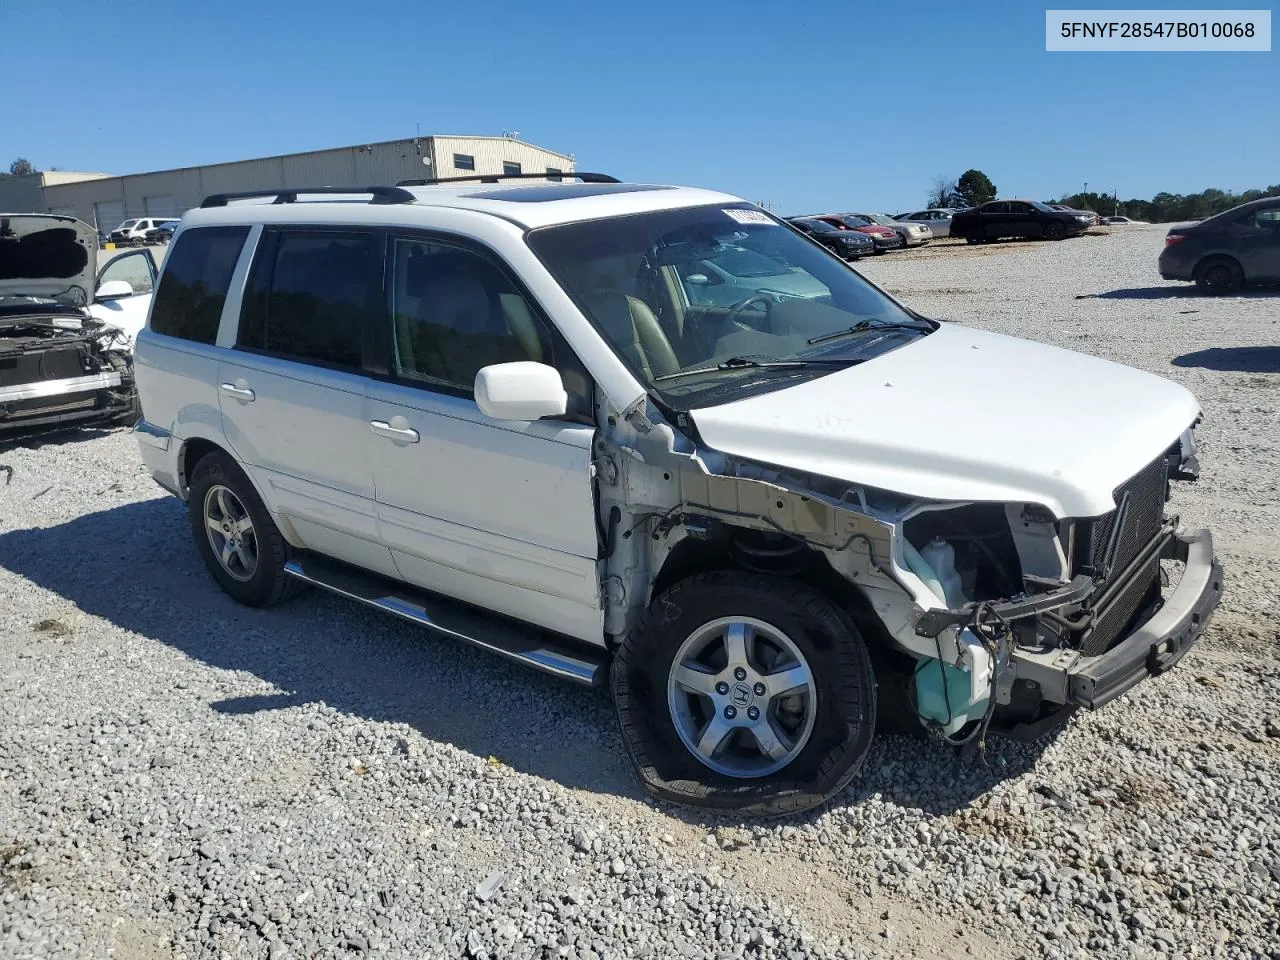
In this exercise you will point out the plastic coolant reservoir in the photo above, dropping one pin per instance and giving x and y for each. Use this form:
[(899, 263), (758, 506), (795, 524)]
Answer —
[(953, 696)]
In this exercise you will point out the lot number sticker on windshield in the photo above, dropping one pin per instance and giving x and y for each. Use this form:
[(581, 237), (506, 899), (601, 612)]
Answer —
[(749, 216)]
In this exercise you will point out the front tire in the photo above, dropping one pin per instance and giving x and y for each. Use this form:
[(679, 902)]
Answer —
[(744, 692), (1054, 230), (235, 535)]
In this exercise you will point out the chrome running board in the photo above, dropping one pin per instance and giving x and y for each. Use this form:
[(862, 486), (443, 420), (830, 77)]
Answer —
[(526, 645)]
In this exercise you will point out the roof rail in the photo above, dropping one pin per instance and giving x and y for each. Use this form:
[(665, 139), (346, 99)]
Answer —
[(377, 195), (495, 177)]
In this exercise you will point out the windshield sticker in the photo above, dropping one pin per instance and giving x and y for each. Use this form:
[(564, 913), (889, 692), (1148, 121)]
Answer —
[(749, 216)]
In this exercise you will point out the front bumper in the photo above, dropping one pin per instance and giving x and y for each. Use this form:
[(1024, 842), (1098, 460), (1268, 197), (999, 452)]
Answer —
[(887, 243), (915, 240), (850, 250), (48, 403), (1063, 676), (1156, 645)]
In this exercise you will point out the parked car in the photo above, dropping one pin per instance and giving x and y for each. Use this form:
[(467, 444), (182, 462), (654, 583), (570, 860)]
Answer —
[(63, 361), (884, 238), (937, 219), (848, 244), (1094, 218), (1225, 252), (134, 232), (1119, 221), (913, 234), (532, 435), (997, 219), (163, 233)]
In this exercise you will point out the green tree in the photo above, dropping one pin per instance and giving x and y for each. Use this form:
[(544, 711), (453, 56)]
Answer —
[(21, 167), (975, 187)]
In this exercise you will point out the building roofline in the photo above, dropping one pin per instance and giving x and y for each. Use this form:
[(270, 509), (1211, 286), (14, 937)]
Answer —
[(303, 153)]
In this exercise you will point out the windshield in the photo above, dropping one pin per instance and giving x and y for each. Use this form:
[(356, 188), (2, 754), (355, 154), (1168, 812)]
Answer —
[(819, 226), (128, 225), (679, 293), (879, 218)]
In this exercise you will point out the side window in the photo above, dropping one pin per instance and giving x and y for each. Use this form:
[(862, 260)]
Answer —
[(1016, 206), (509, 168), (133, 268), (554, 174), (193, 286), (464, 161), (998, 206), (1268, 219), (313, 295), (454, 312)]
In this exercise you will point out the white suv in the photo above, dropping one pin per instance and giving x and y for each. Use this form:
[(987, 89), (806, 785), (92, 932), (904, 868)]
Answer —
[(513, 413)]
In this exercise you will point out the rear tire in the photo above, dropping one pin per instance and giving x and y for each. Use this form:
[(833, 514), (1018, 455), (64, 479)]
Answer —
[(792, 727), (250, 551), (1219, 275)]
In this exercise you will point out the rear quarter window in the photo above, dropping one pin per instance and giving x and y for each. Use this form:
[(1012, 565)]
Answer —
[(193, 286)]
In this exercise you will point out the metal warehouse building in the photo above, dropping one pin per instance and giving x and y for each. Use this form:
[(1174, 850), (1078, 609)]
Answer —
[(104, 200)]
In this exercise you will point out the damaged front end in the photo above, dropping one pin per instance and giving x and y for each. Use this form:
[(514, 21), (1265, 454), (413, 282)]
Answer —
[(997, 616), (62, 368)]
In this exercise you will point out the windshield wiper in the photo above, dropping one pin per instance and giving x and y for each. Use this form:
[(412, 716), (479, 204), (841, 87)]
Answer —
[(862, 326), (744, 363)]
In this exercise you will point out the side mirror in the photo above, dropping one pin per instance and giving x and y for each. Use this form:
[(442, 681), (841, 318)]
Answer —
[(113, 290), (520, 390), (697, 279)]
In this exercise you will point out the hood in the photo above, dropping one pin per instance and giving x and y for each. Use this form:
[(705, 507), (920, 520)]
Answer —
[(963, 415), (43, 255)]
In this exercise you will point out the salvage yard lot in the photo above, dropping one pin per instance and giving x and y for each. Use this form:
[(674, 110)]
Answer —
[(180, 776)]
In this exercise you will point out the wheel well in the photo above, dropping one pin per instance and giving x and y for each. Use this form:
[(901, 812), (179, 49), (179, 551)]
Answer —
[(1215, 258), (193, 451), (737, 548)]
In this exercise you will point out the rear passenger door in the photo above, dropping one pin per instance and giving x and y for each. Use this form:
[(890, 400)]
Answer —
[(497, 513), (292, 391)]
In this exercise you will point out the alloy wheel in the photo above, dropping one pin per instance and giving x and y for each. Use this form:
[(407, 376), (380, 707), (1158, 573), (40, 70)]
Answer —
[(231, 533), (742, 697)]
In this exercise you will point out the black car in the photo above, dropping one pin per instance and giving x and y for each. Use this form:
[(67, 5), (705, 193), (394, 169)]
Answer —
[(997, 219), (1226, 251), (162, 233), (846, 244)]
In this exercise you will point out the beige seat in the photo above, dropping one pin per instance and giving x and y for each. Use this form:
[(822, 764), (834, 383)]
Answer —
[(632, 327)]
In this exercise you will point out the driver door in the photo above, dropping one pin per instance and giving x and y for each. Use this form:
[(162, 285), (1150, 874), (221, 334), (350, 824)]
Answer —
[(127, 313), (499, 514)]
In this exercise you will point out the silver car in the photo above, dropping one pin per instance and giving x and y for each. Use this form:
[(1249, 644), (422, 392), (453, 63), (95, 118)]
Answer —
[(913, 234), (937, 219)]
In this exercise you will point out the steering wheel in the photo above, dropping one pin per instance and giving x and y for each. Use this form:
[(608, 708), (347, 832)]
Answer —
[(765, 298)]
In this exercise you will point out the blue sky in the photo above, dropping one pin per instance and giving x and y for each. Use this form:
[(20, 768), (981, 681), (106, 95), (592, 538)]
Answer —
[(807, 105)]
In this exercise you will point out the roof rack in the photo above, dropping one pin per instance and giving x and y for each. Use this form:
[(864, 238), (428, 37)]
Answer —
[(495, 177), (377, 195)]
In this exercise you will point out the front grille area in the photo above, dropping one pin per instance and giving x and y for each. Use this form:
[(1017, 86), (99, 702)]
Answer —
[(1112, 622), (1105, 551), (1142, 500)]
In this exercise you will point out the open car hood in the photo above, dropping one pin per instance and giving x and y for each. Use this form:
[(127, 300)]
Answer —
[(43, 255), (964, 415)]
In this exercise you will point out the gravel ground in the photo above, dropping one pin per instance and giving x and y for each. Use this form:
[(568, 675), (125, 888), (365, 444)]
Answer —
[(182, 777)]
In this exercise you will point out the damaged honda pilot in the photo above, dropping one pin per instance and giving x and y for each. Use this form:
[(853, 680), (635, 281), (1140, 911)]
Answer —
[(655, 437)]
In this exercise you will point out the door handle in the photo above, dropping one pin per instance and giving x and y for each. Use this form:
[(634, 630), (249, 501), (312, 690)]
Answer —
[(240, 393), (403, 434)]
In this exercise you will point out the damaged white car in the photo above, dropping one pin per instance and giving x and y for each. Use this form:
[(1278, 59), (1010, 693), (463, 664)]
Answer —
[(66, 340), (515, 413)]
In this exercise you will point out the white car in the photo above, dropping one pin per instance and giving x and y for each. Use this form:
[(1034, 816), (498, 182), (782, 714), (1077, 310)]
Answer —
[(66, 333), (1120, 221), (510, 413), (133, 232), (937, 219)]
